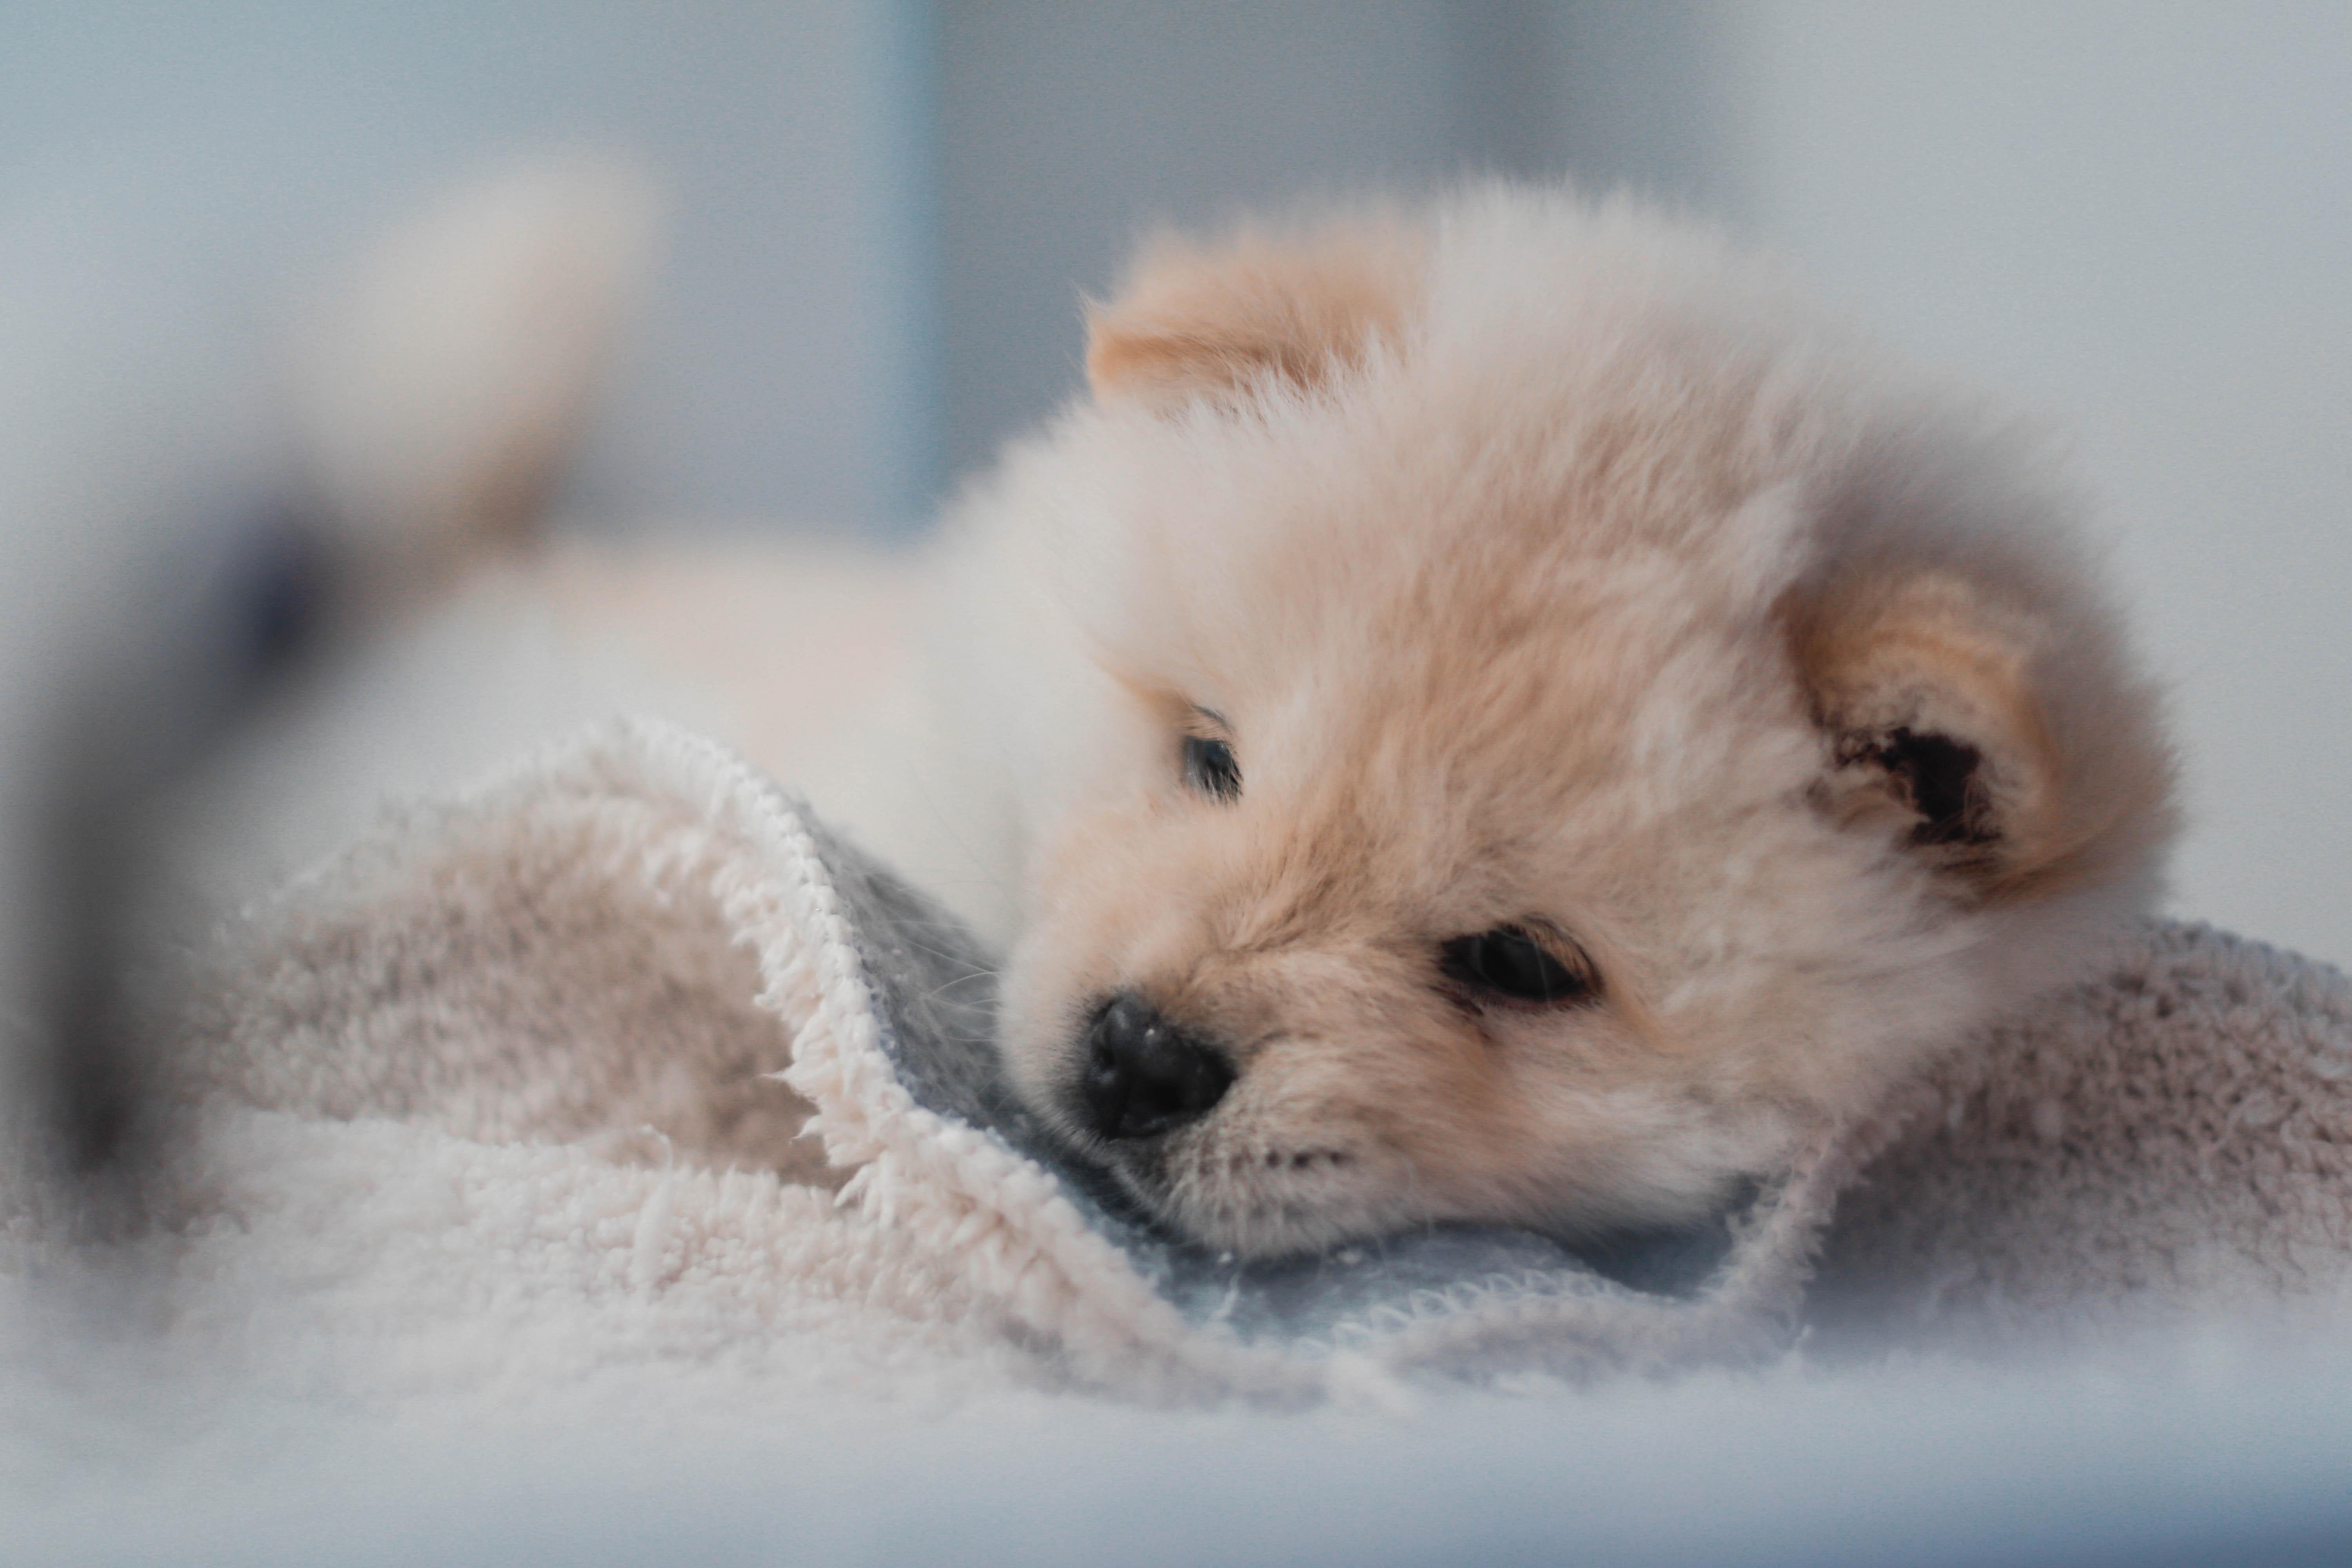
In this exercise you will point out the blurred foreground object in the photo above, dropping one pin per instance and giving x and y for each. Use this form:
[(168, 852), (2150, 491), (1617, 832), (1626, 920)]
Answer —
[(184, 528), (444, 392)]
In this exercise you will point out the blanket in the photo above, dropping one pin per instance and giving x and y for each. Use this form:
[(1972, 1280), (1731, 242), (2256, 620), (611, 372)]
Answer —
[(602, 1164), (629, 1038)]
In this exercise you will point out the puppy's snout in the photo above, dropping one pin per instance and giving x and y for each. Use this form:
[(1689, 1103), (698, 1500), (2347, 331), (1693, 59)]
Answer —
[(1145, 1076)]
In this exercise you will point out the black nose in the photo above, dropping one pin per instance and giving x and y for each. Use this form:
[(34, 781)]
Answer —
[(1145, 1076)]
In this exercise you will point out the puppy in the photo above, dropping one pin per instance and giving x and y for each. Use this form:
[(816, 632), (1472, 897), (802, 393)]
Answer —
[(1507, 713)]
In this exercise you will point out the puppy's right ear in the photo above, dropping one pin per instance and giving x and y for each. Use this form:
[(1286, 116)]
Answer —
[(1195, 321)]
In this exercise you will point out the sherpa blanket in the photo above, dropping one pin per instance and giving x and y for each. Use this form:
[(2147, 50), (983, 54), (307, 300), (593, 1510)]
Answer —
[(494, 1232), (625, 1055)]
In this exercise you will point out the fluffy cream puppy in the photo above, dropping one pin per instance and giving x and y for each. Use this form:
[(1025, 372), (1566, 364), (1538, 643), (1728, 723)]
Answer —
[(1507, 713)]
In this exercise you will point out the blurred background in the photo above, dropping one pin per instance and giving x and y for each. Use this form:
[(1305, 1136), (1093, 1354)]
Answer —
[(882, 214)]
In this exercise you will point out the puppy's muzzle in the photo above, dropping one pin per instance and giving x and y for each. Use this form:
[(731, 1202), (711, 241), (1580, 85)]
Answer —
[(1143, 1075)]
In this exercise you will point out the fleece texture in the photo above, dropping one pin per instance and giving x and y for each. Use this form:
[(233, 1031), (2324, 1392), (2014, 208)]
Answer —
[(625, 1055), (644, 954), (490, 1233), (2176, 1135)]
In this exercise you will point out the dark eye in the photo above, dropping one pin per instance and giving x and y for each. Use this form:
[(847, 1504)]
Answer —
[(1209, 767), (1507, 962)]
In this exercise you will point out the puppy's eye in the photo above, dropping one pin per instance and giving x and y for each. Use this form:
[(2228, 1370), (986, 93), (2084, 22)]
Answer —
[(1507, 962), (1210, 768)]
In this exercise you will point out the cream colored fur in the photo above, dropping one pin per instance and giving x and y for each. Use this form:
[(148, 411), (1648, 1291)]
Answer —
[(1548, 565), (1551, 565)]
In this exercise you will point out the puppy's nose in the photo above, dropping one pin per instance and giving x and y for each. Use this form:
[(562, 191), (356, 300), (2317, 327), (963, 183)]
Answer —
[(1144, 1075)]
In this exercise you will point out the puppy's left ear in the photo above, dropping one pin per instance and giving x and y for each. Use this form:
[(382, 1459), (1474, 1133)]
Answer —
[(2014, 763), (1216, 322)]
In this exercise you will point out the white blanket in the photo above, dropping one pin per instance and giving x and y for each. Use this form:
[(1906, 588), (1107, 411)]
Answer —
[(487, 1131)]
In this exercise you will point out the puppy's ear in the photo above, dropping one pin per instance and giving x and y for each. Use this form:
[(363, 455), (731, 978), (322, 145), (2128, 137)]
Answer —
[(2003, 756), (1195, 321)]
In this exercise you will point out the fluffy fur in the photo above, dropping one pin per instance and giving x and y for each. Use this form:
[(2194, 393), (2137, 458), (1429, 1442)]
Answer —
[(1550, 568)]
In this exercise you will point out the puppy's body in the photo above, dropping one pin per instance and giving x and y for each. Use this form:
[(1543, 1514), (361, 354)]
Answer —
[(1509, 716)]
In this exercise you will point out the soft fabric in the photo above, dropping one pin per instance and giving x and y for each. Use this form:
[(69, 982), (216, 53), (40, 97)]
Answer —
[(2176, 1137), (644, 952), (562, 1035), (488, 1237)]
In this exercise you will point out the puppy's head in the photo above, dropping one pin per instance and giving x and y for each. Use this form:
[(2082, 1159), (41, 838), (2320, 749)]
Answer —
[(1547, 733)]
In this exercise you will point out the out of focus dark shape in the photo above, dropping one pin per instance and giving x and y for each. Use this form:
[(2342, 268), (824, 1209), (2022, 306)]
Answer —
[(191, 527), (114, 753)]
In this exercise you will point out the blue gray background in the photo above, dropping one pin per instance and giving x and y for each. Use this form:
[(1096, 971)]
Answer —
[(883, 213)]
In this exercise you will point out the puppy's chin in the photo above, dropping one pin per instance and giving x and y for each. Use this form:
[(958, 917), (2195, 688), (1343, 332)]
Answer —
[(1252, 1203), (1260, 1199)]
